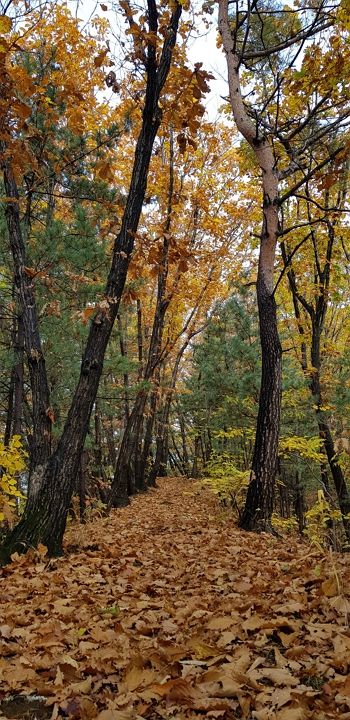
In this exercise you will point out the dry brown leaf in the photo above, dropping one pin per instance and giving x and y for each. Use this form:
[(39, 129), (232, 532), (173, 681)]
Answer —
[(138, 677), (113, 714), (220, 623), (296, 713), (201, 649), (161, 655), (279, 676), (177, 691), (330, 587)]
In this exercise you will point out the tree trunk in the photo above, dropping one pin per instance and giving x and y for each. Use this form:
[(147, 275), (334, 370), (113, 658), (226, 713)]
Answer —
[(124, 354), (45, 515), (185, 457), (260, 496), (133, 455), (15, 404), (146, 459), (40, 446), (139, 338), (299, 502), (98, 450), (197, 448)]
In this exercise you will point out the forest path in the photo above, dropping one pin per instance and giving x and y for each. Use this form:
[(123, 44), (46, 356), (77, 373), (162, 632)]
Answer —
[(165, 609)]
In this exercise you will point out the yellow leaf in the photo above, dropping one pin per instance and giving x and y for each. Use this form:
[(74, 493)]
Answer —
[(5, 24)]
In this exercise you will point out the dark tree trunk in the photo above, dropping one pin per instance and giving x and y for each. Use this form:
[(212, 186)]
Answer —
[(124, 354), (45, 515), (98, 452), (15, 403), (19, 379), (299, 502), (82, 487), (146, 460), (134, 455), (185, 456), (260, 496), (197, 448), (139, 338), (40, 445), (124, 481), (108, 430), (159, 467)]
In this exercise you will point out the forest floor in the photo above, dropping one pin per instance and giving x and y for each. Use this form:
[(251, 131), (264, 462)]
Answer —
[(165, 609)]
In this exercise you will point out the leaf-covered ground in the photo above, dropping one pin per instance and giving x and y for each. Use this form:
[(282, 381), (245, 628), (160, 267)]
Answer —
[(166, 610)]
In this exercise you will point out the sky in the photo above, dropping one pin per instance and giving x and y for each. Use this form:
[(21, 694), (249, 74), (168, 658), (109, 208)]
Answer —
[(201, 49)]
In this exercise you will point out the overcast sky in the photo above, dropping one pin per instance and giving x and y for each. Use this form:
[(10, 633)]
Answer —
[(202, 49)]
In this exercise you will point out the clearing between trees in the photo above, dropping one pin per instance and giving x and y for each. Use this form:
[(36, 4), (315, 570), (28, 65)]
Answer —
[(165, 609)]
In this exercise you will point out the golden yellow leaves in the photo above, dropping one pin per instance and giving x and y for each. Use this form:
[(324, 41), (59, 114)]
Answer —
[(5, 27), (100, 59), (12, 463), (104, 170), (5, 24)]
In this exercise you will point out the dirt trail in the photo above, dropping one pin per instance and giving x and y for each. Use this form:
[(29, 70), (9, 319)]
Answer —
[(166, 610)]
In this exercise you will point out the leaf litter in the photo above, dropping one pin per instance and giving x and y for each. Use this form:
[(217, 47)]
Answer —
[(165, 609)]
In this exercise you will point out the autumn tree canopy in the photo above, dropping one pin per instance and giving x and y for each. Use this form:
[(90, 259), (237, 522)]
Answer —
[(173, 286)]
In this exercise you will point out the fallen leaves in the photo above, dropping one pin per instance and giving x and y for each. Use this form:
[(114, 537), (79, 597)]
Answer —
[(163, 615)]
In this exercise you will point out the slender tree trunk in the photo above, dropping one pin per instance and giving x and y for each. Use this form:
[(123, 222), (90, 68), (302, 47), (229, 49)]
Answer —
[(197, 447), (19, 379), (82, 487), (146, 458), (108, 430), (123, 483), (98, 442), (45, 515), (134, 456), (260, 496), (40, 446), (299, 502), (14, 414), (124, 354), (185, 457), (139, 338)]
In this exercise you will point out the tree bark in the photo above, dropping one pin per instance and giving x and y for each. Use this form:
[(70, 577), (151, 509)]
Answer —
[(45, 515), (259, 501), (260, 496), (133, 456), (124, 354), (40, 447), (14, 414)]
